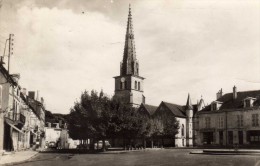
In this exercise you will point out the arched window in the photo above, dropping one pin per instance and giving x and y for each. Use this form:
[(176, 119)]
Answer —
[(135, 84), (138, 85), (137, 69), (182, 130), (121, 85)]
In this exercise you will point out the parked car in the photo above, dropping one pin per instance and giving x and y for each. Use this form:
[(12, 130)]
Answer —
[(52, 144), (82, 146), (99, 145)]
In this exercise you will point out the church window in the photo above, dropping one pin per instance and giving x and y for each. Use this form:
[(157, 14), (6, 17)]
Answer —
[(137, 69), (121, 85), (182, 130), (135, 84), (138, 85)]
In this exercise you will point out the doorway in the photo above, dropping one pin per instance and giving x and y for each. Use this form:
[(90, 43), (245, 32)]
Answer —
[(220, 137), (240, 137), (230, 137)]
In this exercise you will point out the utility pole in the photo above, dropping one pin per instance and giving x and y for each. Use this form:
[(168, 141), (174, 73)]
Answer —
[(10, 50)]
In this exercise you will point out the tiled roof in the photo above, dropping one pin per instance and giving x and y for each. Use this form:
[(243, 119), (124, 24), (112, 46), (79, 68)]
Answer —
[(150, 108), (230, 103), (195, 108), (177, 110), (6, 74)]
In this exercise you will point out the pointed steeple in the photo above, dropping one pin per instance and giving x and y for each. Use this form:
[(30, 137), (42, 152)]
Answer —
[(201, 104), (188, 104), (130, 65)]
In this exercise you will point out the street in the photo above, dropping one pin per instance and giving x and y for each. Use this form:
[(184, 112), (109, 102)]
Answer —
[(162, 157)]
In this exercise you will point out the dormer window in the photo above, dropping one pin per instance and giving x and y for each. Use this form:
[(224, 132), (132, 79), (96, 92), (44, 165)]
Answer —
[(215, 105), (248, 102)]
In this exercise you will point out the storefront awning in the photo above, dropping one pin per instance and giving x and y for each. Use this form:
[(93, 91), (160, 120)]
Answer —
[(13, 126)]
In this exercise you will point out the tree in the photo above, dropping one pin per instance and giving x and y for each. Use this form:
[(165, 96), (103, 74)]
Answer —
[(171, 127), (98, 117), (92, 117)]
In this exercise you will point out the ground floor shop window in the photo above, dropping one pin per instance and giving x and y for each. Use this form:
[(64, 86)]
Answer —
[(254, 137), (208, 138)]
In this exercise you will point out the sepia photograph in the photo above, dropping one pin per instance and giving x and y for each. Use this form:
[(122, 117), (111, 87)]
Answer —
[(130, 82)]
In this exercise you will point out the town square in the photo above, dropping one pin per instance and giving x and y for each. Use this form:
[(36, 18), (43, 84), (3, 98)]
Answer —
[(149, 82)]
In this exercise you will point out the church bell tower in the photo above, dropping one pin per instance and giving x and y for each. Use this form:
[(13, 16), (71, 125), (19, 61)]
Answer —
[(129, 85)]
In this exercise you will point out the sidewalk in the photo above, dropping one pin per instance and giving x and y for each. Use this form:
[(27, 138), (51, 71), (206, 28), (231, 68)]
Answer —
[(17, 157), (227, 152)]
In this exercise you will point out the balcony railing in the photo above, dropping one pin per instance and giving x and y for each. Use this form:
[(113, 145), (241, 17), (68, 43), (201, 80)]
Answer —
[(16, 117)]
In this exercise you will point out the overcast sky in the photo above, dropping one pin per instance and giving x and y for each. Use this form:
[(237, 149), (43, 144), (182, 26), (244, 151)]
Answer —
[(63, 47)]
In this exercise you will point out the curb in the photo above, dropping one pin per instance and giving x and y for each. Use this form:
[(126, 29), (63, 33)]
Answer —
[(23, 161), (128, 151), (248, 154)]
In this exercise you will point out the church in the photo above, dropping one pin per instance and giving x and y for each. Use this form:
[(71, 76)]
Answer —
[(129, 88)]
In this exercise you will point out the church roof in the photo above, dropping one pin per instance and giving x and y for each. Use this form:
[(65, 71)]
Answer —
[(229, 103), (149, 108), (177, 110)]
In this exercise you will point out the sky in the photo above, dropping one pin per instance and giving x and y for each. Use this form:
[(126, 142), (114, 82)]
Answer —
[(62, 48)]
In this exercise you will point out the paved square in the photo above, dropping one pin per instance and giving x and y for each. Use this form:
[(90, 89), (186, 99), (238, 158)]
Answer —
[(163, 157)]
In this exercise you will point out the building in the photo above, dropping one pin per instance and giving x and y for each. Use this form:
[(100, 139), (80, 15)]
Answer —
[(147, 110), (37, 119), (11, 118), (129, 89), (184, 114), (129, 84), (231, 119), (58, 133), (20, 120)]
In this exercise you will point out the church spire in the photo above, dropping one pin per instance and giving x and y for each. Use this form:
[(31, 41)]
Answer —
[(129, 65)]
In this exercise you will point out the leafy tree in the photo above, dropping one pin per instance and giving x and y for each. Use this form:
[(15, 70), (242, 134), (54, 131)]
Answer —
[(98, 117), (171, 127)]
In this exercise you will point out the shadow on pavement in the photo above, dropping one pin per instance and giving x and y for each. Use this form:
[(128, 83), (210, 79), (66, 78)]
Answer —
[(82, 151)]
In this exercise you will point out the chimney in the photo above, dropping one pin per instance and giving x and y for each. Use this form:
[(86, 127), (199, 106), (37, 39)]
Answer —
[(234, 92), (42, 100), (37, 95), (219, 94), (31, 94), (57, 125), (24, 91), (65, 126), (60, 123)]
